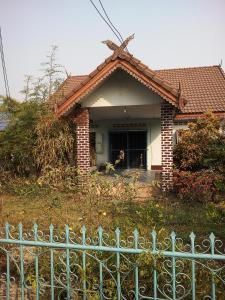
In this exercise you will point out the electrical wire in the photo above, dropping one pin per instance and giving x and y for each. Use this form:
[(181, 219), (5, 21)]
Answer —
[(107, 16), (108, 23), (4, 67)]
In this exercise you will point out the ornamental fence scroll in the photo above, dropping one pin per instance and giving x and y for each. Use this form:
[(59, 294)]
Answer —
[(64, 264)]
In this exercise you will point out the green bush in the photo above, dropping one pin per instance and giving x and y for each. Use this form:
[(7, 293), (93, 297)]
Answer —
[(34, 139), (202, 146), (18, 139)]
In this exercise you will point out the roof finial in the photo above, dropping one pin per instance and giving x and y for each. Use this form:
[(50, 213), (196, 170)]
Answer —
[(118, 49)]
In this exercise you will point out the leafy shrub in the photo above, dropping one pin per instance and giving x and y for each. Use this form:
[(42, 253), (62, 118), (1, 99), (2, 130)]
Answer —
[(18, 139), (61, 178), (35, 139), (202, 146), (54, 144), (198, 186)]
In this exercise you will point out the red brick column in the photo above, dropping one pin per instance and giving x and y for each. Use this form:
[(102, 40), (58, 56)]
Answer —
[(167, 145), (81, 119)]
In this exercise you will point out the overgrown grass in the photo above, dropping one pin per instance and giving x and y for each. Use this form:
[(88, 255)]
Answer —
[(29, 203)]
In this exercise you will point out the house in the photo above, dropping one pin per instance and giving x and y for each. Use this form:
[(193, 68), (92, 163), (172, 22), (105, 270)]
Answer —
[(127, 113)]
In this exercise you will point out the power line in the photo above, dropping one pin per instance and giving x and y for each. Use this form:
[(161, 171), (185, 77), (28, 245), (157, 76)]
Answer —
[(112, 27), (110, 20), (4, 66)]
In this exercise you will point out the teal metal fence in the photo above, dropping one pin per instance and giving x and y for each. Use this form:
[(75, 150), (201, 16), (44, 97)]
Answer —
[(70, 265)]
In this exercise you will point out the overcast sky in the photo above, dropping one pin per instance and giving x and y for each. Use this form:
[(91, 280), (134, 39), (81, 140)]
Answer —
[(168, 34)]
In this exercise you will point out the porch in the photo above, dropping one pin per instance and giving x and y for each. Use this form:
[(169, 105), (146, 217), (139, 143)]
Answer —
[(124, 123)]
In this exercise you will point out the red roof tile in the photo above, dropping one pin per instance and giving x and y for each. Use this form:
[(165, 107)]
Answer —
[(203, 88), (67, 98)]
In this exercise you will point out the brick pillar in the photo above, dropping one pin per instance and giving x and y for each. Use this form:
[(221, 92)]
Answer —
[(167, 145), (81, 120)]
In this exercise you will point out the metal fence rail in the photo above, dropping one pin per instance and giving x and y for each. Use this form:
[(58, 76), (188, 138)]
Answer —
[(66, 265)]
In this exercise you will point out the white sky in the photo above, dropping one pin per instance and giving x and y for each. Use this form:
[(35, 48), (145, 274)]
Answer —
[(168, 34)]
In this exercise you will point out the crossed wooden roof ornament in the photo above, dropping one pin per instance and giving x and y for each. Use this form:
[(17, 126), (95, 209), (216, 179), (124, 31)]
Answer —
[(118, 49)]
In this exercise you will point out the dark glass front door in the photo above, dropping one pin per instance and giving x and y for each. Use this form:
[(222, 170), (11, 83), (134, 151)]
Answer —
[(128, 149)]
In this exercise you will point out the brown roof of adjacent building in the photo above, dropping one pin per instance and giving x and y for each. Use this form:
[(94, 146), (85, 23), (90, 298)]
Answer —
[(192, 90), (203, 87)]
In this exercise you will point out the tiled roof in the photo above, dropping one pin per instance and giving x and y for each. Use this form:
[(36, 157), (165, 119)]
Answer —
[(203, 87), (67, 87), (199, 88), (68, 97)]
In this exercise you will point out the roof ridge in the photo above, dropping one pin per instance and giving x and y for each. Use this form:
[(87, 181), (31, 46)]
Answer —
[(221, 70), (185, 68), (169, 69), (78, 75)]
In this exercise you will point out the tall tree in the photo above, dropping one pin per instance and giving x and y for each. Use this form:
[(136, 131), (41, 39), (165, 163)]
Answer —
[(52, 75)]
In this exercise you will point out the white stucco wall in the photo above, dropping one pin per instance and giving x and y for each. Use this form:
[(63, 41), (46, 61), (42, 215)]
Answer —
[(122, 99), (120, 89), (155, 143)]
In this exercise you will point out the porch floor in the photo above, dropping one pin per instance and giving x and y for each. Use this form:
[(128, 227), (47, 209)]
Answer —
[(144, 176)]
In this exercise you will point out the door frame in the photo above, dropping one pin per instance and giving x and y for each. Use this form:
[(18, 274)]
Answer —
[(126, 131)]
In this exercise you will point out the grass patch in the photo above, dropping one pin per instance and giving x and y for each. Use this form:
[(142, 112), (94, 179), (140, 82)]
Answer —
[(45, 206)]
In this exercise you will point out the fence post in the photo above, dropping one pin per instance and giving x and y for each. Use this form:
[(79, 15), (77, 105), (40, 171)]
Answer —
[(136, 235), (193, 280), (212, 246), (154, 266), (100, 232), (51, 240), (118, 264), (173, 240), (68, 264), (7, 264), (21, 261), (83, 230), (35, 228)]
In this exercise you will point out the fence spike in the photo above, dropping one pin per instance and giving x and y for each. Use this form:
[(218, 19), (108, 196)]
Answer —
[(67, 233), (117, 231), (173, 240), (35, 227), (83, 229), (212, 242), (51, 229), (212, 236), (20, 226), (135, 232), (100, 229), (192, 236), (173, 235), (7, 230), (153, 234), (136, 235), (100, 233)]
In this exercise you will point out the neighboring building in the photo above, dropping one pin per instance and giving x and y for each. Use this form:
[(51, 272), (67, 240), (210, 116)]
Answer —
[(132, 111), (3, 117), (3, 121)]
